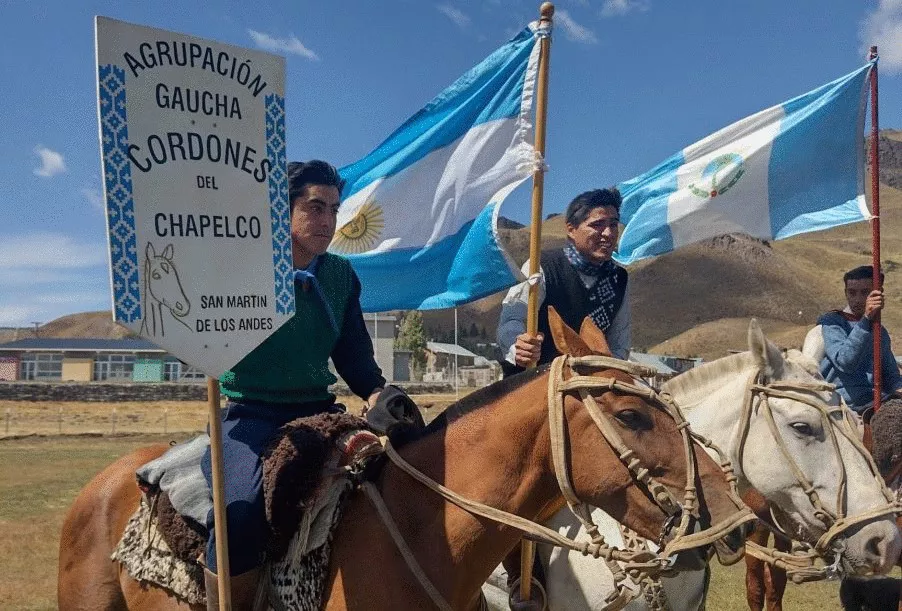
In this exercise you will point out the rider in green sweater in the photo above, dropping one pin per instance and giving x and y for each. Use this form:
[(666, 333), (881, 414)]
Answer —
[(287, 376)]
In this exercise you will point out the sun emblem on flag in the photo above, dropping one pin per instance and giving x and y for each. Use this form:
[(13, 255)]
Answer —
[(361, 232), (719, 176)]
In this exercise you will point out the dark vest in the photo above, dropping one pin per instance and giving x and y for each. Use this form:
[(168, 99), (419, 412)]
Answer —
[(564, 290)]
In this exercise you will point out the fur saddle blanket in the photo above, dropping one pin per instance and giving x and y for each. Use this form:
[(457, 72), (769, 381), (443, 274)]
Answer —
[(306, 476)]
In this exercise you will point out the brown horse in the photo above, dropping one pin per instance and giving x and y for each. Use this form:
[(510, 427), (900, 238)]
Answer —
[(493, 447)]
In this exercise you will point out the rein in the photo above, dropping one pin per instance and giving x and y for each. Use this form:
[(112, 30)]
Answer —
[(799, 564), (638, 563)]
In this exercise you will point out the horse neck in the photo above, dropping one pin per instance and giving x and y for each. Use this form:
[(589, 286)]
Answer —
[(498, 455), (712, 397)]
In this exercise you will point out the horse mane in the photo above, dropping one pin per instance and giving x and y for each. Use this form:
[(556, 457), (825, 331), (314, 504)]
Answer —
[(694, 385), (482, 397)]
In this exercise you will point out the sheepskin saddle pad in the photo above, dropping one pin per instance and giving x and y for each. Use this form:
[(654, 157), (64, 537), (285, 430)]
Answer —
[(304, 482)]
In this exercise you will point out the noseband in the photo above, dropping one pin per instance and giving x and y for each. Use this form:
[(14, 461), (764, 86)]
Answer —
[(836, 421), (678, 512)]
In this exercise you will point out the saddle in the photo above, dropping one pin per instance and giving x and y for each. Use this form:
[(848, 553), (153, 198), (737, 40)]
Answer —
[(306, 476)]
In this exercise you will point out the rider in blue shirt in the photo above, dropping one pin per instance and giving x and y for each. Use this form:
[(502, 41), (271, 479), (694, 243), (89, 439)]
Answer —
[(849, 344)]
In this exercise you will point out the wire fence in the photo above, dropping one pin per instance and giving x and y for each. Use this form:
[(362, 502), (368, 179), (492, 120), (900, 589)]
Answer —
[(25, 418)]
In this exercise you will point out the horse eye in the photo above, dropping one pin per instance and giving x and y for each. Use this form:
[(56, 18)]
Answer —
[(165, 267), (156, 275), (802, 428), (630, 418)]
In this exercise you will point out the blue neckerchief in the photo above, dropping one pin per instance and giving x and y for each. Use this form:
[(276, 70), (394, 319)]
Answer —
[(602, 294), (308, 276)]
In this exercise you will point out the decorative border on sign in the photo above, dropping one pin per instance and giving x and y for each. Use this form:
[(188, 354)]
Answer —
[(279, 205), (119, 202)]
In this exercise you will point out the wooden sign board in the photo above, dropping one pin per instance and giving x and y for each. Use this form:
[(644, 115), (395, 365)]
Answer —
[(192, 136)]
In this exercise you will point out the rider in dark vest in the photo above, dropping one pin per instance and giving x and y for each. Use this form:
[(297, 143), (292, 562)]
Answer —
[(579, 280)]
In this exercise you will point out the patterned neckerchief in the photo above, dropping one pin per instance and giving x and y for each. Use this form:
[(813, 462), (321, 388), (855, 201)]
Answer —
[(602, 294)]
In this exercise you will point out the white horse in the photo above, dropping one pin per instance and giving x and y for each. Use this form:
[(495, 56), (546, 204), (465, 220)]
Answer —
[(713, 398)]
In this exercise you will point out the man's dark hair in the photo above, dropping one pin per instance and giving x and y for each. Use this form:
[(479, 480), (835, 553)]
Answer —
[(584, 203), (862, 272), (314, 172)]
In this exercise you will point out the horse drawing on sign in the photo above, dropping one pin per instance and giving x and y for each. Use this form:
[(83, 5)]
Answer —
[(163, 296)]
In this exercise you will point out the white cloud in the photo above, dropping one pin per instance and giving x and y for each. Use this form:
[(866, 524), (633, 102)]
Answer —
[(51, 162), (21, 310), (48, 251), (616, 8), (282, 45), (883, 27), (572, 30), (47, 275), (15, 316), (93, 197), (456, 15)]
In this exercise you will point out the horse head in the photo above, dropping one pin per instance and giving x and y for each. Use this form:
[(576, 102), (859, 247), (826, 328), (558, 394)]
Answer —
[(667, 488), (792, 440), (163, 282)]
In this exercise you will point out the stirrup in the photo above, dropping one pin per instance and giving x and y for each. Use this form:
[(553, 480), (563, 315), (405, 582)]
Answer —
[(537, 588)]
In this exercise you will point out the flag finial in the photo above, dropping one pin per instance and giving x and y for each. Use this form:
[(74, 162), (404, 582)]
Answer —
[(546, 11)]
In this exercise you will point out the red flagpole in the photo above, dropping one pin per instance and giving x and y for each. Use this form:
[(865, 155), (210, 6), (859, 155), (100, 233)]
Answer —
[(875, 227)]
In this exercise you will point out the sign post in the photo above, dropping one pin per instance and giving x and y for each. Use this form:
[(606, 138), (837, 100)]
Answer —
[(192, 138)]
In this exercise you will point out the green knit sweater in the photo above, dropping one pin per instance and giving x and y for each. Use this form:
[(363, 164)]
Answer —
[(291, 365)]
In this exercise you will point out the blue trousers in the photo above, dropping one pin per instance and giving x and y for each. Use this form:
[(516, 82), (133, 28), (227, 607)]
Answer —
[(248, 428)]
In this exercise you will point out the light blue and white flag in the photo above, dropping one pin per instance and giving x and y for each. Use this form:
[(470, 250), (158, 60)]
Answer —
[(793, 168), (419, 219)]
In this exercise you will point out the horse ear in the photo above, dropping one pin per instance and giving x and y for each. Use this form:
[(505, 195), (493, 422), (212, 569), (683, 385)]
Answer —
[(167, 252), (594, 337), (767, 356), (150, 252), (566, 340)]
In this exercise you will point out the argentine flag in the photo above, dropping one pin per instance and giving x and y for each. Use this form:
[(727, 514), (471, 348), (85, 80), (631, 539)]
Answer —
[(790, 169), (419, 219)]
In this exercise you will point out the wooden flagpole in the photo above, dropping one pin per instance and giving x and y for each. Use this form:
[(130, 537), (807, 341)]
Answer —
[(223, 580), (546, 12), (875, 227)]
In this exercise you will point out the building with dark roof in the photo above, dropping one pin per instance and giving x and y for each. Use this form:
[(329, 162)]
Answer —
[(85, 359), (91, 359)]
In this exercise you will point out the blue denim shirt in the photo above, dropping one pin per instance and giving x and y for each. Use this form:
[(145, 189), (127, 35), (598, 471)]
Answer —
[(849, 359)]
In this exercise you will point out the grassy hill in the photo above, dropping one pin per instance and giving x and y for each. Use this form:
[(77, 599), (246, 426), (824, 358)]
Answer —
[(83, 324)]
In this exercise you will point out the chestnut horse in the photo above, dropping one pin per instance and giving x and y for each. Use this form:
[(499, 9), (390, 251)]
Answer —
[(493, 447)]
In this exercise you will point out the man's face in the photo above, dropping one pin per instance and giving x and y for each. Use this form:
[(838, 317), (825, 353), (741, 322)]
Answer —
[(857, 292), (313, 215), (596, 237)]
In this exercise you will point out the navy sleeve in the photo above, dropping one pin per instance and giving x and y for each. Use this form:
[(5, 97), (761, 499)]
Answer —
[(845, 350), (353, 352)]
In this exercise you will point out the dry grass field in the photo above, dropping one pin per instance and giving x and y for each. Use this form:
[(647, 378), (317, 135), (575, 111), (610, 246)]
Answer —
[(25, 418), (40, 475)]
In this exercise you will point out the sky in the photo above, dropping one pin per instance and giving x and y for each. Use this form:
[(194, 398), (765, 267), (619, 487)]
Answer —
[(631, 82)]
